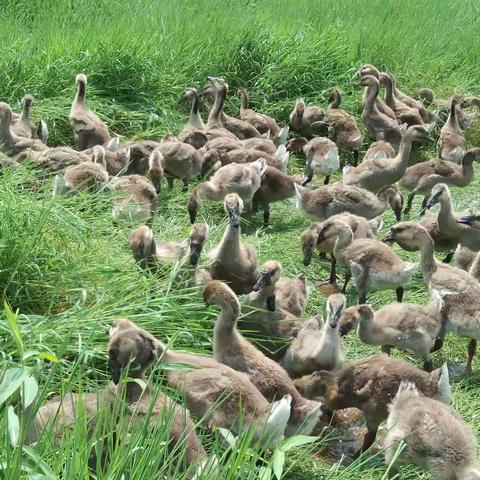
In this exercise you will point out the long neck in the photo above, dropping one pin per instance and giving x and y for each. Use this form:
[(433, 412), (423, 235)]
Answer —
[(366, 328), (335, 101), (389, 98), (467, 169), (195, 117), (427, 258), (475, 268), (401, 161), (80, 95), (209, 190), (243, 100), (452, 117), (25, 115), (231, 241), (344, 239), (225, 325), (446, 215), (6, 133), (370, 96), (217, 109)]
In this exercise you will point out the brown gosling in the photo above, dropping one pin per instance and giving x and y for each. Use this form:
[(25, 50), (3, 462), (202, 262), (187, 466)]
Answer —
[(55, 159), (403, 112), (380, 150), (379, 125), (458, 291), (10, 142), (422, 177), (435, 437), (83, 176), (87, 127), (239, 128), (247, 155), (407, 326), (219, 395), (369, 384), (382, 107), (376, 174), (372, 264), (242, 179), (307, 121), (232, 261), (133, 351), (342, 127), (149, 253), (275, 187), (134, 198), (263, 123), (450, 223), (318, 347), (451, 143), (361, 228), (322, 156), (23, 126), (232, 349), (323, 202), (193, 132)]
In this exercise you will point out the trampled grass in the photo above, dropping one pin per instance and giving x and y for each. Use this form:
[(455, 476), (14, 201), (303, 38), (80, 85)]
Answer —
[(66, 267)]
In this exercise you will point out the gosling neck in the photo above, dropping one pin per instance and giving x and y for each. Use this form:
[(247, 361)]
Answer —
[(25, 115), (404, 152), (230, 244), (427, 257), (243, 100), (214, 118), (226, 323), (134, 391), (365, 327), (195, 117), (467, 170), (336, 100), (371, 94), (452, 117), (446, 217), (389, 97), (80, 95), (6, 133), (475, 268), (344, 239)]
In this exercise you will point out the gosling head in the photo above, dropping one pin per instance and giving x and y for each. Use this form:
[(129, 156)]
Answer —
[(189, 95), (308, 241), (213, 159), (219, 84), (349, 321), (408, 235), (394, 198), (439, 192), (155, 169), (142, 244), (469, 102), (316, 384), (220, 294), (198, 238), (81, 80), (472, 155), (420, 133), (336, 304), (369, 81), (132, 348), (297, 113), (269, 275), (472, 219), (427, 96), (27, 102), (119, 325), (99, 156), (233, 205), (241, 91), (369, 69)]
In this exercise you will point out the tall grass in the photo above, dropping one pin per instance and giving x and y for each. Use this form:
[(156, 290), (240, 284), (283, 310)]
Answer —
[(66, 267)]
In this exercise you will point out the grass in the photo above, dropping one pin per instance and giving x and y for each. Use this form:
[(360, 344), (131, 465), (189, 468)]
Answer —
[(65, 267)]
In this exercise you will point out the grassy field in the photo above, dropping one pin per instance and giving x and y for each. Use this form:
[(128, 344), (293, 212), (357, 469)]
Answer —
[(66, 268)]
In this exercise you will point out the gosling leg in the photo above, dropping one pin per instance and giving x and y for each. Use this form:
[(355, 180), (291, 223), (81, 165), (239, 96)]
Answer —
[(348, 276), (437, 345), (399, 291), (266, 216), (362, 298), (185, 185), (333, 270), (410, 198), (386, 349), (472, 347), (170, 182), (368, 440), (327, 179)]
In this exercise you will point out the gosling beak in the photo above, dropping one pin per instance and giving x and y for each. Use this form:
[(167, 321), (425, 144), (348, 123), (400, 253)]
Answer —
[(234, 215), (115, 371), (307, 256), (262, 281), (430, 137), (307, 179), (195, 251), (433, 200), (335, 318), (467, 219), (389, 238)]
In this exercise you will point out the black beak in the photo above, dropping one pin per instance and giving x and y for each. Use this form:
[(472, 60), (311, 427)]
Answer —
[(335, 318), (234, 215), (195, 251), (433, 200), (262, 281), (468, 219), (193, 215), (115, 371), (307, 256), (157, 184), (389, 238)]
